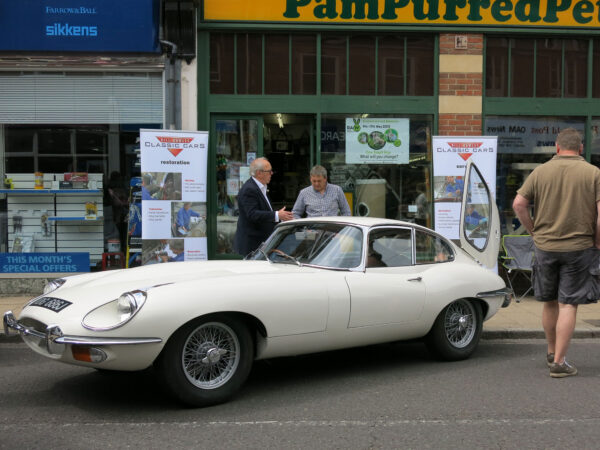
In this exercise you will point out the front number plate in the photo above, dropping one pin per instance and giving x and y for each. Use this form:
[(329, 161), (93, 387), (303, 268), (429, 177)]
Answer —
[(51, 303)]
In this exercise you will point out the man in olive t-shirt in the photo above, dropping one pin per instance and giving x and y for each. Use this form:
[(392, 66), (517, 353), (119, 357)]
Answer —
[(565, 192)]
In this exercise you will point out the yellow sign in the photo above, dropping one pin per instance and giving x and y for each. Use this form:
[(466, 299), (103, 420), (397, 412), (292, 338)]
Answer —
[(540, 13)]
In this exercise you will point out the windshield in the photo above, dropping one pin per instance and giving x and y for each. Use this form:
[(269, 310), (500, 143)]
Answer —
[(322, 244)]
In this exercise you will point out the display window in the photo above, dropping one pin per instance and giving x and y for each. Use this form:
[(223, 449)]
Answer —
[(524, 143), (382, 162)]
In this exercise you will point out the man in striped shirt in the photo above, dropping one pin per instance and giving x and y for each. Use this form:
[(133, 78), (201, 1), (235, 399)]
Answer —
[(321, 198)]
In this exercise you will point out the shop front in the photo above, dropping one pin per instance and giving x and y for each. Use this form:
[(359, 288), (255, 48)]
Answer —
[(296, 98), (288, 80), (76, 85)]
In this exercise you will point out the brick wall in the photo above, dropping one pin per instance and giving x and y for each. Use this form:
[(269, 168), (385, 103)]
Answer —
[(460, 85)]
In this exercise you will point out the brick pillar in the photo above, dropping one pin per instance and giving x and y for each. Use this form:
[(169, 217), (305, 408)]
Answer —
[(460, 85)]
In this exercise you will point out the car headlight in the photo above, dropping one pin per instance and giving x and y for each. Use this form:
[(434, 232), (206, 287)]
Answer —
[(53, 285), (115, 313)]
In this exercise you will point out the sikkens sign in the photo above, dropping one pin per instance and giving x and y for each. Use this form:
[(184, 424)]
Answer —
[(528, 13)]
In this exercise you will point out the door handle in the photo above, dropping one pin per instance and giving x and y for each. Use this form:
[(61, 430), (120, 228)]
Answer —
[(415, 279)]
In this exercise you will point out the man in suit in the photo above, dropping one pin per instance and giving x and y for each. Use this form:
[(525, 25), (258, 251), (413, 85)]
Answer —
[(257, 218)]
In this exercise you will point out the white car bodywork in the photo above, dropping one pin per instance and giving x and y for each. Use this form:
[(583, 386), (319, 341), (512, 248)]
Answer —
[(287, 308)]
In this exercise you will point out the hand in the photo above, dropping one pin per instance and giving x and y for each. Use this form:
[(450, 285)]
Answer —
[(284, 215)]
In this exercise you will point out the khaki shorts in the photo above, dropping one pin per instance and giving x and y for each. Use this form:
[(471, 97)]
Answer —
[(569, 277)]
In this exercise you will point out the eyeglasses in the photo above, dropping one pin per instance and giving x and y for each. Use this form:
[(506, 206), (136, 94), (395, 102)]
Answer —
[(267, 171)]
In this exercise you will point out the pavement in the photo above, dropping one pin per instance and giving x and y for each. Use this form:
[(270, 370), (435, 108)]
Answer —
[(517, 321)]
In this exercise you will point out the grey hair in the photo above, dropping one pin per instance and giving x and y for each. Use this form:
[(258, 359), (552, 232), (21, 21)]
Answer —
[(318, 171), (569, 139), (258, 164)]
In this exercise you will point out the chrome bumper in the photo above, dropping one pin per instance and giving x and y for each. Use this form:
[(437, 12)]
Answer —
[(506, 292), (55, 340)]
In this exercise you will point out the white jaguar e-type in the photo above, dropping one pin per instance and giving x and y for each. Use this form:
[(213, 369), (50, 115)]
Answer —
[(314, 285)]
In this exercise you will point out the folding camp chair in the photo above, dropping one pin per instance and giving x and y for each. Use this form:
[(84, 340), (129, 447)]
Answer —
[(517, 260)]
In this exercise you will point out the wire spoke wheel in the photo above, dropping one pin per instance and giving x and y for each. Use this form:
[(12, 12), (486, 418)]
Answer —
[(211, 355), (460, 323)]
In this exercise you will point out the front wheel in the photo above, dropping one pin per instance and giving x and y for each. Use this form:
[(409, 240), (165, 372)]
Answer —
[(206, 361), (456, 331)]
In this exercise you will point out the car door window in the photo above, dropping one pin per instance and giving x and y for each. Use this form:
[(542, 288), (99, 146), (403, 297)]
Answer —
[(431, 249), (390, 248)]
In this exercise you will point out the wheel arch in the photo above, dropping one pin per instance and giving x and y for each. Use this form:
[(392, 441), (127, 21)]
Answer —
[(255, 326)]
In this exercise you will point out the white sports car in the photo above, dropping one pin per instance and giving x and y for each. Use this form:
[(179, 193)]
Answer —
[(314, 285)]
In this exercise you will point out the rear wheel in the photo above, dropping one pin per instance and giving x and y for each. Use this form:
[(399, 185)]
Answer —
[(206, 361), (456, 331)]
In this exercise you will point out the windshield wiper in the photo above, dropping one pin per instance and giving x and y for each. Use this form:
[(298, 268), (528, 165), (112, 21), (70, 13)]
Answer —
[(285, 255)]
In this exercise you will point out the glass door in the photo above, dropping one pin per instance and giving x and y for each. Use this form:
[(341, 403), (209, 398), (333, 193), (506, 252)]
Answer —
[(235, 142)]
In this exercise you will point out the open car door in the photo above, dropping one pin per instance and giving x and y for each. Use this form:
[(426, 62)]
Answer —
[(479, 221)]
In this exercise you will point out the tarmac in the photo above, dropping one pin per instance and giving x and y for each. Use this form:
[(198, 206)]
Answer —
[(521, 320)]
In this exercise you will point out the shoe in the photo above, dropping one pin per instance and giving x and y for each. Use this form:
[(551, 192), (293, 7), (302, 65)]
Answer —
[(549, 359), (562, 370)]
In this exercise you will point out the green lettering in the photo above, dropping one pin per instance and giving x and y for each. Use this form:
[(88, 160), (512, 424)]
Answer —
[(359, 9), (389, 10), (499, 7), (528, 11), (291, 8), (451, 6), (553, 7), (581, 8), (432, 10), (326, 11), (475, 7)]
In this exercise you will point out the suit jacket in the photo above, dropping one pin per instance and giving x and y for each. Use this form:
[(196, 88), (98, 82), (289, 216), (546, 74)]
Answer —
[(256, 220)]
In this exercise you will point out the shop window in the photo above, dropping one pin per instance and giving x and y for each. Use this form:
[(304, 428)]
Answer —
[(55, 141), (19, 140), (596, 70), (362, 65), (560, 67), (236, 145), (221, 63), (394, 191), (595, 141), (304, 65), (576, 53), (19, 164), (548, 67), (523, 144), (249, 63), (496, 67), (419, 66), (521, 63), (390, 65), (333, 65), (277, 64)]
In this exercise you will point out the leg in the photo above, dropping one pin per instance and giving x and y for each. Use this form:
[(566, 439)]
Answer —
[(549, 320), (565, 326)]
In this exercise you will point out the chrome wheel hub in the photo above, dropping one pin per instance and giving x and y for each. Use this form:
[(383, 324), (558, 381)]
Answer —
[(460, 323), (210, 356)]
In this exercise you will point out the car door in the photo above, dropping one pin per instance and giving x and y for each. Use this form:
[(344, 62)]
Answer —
[(390, 290), (480, 222)]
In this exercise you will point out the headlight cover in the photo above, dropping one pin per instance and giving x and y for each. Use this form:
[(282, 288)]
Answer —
[(115, 313), (53, 285)]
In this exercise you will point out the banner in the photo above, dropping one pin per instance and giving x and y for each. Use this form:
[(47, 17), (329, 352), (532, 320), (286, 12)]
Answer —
[(174, 172), (450, 156), (377, 141)]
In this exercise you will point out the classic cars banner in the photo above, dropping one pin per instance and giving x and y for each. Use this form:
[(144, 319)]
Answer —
[(450, 156), (174, 212)]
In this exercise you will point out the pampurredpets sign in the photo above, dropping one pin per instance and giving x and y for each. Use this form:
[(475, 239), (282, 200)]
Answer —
[(527, 13)]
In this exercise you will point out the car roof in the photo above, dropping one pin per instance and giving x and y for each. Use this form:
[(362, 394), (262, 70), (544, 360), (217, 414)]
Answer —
[(358, 220)]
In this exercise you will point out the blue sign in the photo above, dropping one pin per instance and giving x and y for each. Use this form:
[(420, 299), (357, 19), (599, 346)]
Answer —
[(44, 262), (80, 25)]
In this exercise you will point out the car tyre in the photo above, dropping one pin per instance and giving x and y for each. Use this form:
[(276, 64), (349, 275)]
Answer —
[(206, 361), (456, 331)]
